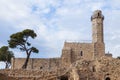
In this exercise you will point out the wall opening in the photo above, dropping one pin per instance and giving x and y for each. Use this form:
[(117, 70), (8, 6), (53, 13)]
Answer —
[(107, 78), (64, 78), (98, 14), (81, 53), (93, 68), (41, 67)]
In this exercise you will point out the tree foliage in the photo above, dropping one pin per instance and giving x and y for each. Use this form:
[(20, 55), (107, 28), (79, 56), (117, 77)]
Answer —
[(20, 40), (6, 55), (118, 57)]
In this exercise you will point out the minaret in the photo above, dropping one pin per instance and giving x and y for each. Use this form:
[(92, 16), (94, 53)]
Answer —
[(97, 33), (97, 26)]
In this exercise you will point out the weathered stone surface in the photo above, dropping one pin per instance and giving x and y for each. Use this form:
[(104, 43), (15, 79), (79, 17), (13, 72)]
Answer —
[(97, 69)]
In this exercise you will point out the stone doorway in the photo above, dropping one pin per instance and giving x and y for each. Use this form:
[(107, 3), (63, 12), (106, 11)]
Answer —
[(107, 78)]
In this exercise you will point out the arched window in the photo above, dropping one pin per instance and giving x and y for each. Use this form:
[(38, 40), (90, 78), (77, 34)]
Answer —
[(107, 78)]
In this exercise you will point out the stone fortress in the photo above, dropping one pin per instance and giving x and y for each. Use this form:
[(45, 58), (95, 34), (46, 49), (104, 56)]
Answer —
[(72, 51), (79, 61)]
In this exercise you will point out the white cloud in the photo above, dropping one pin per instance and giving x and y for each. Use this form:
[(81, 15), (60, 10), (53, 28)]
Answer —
[(12, 10), (17, 53), (70, 20), (2, 65)]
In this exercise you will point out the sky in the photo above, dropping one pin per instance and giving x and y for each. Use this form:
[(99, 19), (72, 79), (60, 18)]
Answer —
[(57, 21)]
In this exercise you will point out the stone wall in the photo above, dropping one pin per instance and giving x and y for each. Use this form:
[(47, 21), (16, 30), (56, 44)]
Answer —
[(71, 52), (98, 69), (99, 50), (109, 67), (27, 74), (80, 50), (39, 64), (3, 77)]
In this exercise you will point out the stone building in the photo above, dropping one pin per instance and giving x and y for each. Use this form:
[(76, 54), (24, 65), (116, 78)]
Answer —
[(79, 61), (72, 51)]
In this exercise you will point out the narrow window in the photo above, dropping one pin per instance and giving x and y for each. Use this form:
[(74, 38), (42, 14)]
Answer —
[(98, 14), (81, 53), (93, 68)]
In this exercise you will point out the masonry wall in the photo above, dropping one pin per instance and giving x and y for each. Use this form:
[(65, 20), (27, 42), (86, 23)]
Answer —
[(99, 50), (66, 57), (99, 69), (80, 50), (37, 63), (17, 63), (46, 64), (22, 74)]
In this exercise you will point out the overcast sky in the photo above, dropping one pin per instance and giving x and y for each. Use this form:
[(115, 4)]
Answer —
[(57, 21)]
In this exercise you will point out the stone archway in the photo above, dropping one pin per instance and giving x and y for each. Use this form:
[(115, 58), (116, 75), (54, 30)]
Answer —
[(107, 78)]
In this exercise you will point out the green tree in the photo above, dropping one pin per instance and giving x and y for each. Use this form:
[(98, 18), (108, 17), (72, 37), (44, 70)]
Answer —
[(6, 55), (118, 57), (20, 41)]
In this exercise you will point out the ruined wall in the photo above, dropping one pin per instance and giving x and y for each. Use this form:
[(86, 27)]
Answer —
[(99, 69), (20, 74), (108, 67), (104, 68), (37, 63)]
